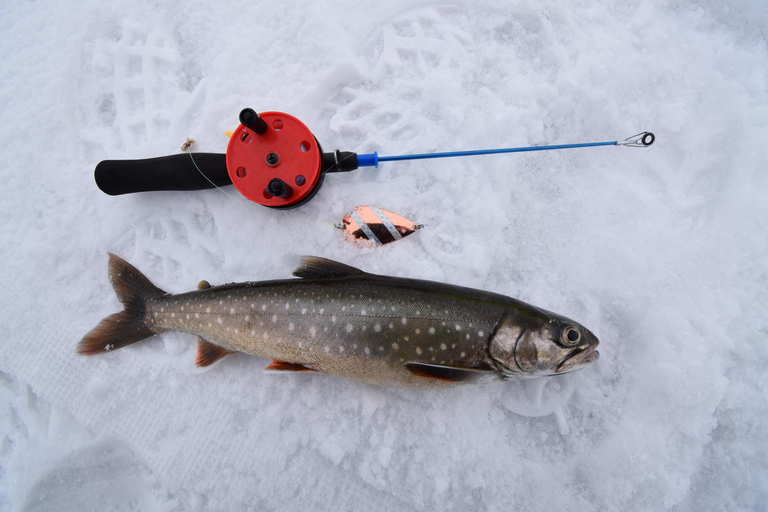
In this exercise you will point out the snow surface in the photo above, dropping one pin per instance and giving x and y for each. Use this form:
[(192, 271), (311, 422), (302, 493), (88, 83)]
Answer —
[(662, 252)]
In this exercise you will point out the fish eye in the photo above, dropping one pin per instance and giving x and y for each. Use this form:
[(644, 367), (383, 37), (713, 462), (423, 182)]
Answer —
[(570, 336)]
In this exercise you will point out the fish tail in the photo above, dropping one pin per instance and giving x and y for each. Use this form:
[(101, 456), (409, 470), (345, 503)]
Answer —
[(133, 323)]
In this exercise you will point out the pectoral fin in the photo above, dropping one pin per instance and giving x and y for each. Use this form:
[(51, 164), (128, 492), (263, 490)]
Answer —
[(208, 353), (284, 366), (445, 373)]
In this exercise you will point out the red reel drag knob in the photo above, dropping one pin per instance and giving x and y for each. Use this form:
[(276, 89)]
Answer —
[(274, 160)]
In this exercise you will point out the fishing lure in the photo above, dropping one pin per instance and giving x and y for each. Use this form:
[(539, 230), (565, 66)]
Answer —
[(372, 226)]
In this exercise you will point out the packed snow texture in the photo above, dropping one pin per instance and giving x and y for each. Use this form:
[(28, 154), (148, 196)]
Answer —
[(662, 252)]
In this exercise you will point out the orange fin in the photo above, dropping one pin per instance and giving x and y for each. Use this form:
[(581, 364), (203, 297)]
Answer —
[(445, 373), (208, 353), (288, 367)]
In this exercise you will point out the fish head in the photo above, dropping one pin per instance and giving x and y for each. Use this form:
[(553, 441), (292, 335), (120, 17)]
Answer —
[(541, 344)]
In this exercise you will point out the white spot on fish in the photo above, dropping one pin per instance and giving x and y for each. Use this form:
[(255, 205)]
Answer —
[(363, 312), (210, 324), (341, 349), (391, 326), (182, 308), (274, 319), (333, 319), (197, 315), (290, 326), (322, 310), (404, 320), (381, 349), (287, 306), (467, 335), (219, 321), (367, 351), (458, 327), (349, 327), (406, 338), (231, 311), (162, 310), (207, 310), (187, 317), (480, 333), (263, 307), (376, 327), (312, 331), (418, 350), (463, 354), (431, 330), (221, 302), (443, 346), (327, 349), (173, 315), (303, 311), (418, 331), (395, 346), (247, 318)]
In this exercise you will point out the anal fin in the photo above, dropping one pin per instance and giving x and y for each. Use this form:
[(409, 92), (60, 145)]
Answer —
[(208, 353), (445, 373), (284, 366)]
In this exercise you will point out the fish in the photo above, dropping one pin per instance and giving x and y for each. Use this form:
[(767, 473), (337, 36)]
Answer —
[(338, 320)]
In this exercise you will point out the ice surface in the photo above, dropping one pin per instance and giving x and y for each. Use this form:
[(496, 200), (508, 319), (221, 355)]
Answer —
[(661, 252)]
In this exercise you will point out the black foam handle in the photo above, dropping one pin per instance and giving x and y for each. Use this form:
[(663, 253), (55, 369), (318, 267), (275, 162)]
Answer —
[(175, 172)]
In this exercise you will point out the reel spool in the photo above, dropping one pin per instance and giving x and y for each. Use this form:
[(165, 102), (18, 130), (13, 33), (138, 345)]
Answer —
[(274, 160)]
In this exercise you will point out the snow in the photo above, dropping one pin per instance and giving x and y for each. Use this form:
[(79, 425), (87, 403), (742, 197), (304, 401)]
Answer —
[(661, 252)]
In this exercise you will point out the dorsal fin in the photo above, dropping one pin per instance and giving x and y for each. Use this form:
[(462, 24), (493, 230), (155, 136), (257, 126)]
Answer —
[(445, 373), (208, 353), (313, 267)]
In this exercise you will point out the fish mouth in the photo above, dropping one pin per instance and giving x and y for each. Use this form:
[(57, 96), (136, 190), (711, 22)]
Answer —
[(578, 359)]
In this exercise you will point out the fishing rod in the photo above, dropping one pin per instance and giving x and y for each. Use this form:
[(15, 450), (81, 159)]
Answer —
[(273, 159)]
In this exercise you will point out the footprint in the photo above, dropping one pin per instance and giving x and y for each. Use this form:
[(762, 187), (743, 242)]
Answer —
[(417, 47), (132, 90)]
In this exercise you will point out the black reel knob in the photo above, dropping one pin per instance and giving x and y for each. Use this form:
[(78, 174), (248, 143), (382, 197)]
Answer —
[(250, 119), (279, 188)]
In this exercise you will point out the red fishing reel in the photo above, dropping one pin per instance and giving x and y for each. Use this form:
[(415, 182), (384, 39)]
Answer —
[(272, 159)]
